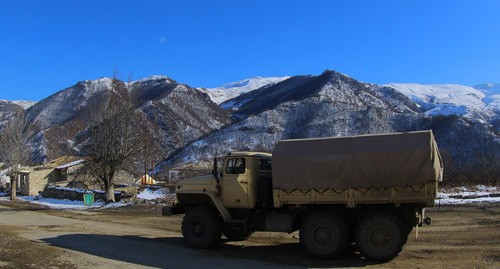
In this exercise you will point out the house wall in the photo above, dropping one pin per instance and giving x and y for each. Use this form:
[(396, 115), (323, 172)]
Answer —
[(4, 182), (38, 179)]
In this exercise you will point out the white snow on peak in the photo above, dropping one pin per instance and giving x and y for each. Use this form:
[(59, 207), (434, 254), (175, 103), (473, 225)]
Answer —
[(492, 91), (445, 99), (103, 80), (153, 78), (489, 88), (234, 89), (93, 86), (97, 85), (24, 104)]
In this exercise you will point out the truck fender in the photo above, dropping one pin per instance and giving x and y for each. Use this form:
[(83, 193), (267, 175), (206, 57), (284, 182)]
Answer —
[(194, 197)]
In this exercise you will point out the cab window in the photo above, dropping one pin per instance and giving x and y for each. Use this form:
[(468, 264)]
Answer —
[(235, 166), (265, 164)]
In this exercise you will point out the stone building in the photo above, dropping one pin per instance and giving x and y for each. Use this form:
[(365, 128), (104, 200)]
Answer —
[(60, 172), (32, 180)]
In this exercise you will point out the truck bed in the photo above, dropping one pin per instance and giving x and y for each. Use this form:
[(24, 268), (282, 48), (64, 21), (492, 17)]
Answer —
[(367, 169)]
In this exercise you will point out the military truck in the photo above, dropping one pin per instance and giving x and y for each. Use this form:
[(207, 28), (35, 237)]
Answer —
[(367, 191)]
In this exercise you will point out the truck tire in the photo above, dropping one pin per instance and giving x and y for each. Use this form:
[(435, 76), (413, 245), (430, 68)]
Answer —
[(379, 236), (237, 234), (202, 227), (324, 234)]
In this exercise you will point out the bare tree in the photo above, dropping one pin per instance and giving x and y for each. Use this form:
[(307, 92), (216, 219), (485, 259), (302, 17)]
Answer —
[(114, 137), (14, 149)]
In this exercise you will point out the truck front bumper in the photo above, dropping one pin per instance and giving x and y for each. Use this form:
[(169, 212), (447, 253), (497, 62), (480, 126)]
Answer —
[(174, 209)]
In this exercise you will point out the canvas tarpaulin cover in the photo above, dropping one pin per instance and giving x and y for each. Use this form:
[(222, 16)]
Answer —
[(366, 161)]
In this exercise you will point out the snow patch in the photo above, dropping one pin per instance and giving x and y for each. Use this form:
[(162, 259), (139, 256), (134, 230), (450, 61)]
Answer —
[(235, 89), (65, 204), (464, 195), (447, 110), (155, 78), (150, 194), (24, 104)]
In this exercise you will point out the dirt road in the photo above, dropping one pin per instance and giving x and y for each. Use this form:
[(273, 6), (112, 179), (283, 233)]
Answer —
[(138, 237)]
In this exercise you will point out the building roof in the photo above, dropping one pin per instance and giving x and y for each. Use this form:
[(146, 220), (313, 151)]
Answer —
[(67, 165), (250, 154), (58, 162)]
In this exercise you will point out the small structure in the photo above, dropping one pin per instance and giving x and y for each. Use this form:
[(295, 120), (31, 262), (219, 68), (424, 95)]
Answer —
[(147, 180), (33, 180), (61, 171)]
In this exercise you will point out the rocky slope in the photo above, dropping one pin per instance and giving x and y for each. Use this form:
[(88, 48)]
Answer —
[(176, 115), (189, 125), (333, 104), (7, 110)]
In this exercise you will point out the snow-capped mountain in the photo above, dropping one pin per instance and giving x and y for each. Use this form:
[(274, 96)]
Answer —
[(234, 89), (448, 99), (481, 102), (492, 92), (176, 115), (24, 104), (189, 125), (489, 88), (333, 104)]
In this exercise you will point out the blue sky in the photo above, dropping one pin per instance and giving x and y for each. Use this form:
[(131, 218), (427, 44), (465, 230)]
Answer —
[(47, 46)]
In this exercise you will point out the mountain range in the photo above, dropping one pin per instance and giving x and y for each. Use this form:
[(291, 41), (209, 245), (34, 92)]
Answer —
[(191, 125)]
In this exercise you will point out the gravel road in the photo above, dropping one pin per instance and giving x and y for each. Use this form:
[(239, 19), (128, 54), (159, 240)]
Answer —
[(138, 237)]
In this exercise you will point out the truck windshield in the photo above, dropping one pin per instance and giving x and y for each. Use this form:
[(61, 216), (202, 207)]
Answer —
[(235, 166)]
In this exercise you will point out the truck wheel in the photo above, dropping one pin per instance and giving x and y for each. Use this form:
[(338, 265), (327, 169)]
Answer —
[(324, 234), (202, 227), (379, 236), (237, 234)]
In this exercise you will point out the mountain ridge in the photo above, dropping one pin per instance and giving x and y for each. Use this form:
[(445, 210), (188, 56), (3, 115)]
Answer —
[(332, 104), (187, 124)]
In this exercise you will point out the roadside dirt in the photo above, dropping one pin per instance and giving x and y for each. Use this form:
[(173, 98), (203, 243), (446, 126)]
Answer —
[(137, 236)]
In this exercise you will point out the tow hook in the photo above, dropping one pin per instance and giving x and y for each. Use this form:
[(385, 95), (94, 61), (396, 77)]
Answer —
[(427, 221)]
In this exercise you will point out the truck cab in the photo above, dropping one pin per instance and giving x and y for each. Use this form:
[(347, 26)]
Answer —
[(240, 181), (245, 179)]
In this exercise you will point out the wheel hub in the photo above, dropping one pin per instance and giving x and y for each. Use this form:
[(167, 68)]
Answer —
[(197, 229), (323, 236), (380, 237)]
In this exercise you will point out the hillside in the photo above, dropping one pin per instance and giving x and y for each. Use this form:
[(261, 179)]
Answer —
[(189, 125), (332, 104), (176, 115)]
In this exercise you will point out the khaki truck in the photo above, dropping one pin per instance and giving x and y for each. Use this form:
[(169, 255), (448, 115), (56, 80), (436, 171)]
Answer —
[(368, 191)]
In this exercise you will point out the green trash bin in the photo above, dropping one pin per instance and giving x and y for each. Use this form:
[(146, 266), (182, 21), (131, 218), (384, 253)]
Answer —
[(88, 199)]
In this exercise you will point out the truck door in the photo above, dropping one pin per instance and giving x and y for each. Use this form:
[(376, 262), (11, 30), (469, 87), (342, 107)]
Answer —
[(235, 183)]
